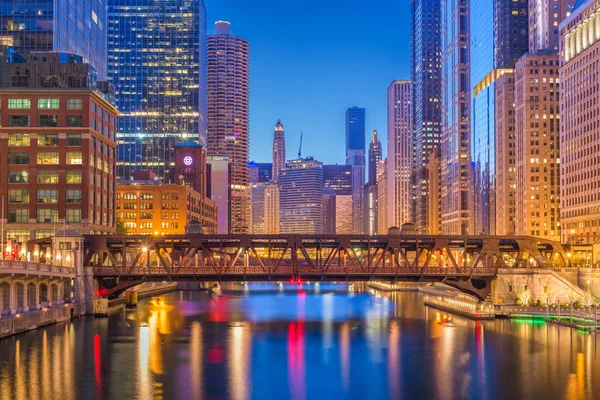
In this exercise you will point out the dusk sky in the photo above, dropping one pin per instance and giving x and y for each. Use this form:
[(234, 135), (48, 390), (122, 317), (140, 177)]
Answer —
[(311, 60)]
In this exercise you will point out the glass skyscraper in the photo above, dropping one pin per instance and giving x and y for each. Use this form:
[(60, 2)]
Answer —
[(355, 156), (498, 38), (64, 26), (157, 63), (425, 66)]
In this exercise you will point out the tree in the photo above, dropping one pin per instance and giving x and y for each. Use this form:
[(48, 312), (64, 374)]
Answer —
[(121, 228)]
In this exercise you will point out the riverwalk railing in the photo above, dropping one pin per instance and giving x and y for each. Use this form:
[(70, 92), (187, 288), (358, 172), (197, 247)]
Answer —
[(16, 266)]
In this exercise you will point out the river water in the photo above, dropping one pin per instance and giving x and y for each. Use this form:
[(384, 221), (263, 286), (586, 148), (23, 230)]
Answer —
[(324, 342)]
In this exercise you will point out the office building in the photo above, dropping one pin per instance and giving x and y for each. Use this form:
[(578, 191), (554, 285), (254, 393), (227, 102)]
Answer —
[(426, 68), (399, 154), (455, 136), (301, 197), (338, 178), (73, 27), (265, 208), (278, 150), (228, 109), (544, 18), (57, 148), (434, 171), (156, 63), (498, 38), (579, 120), (355, 156), (217, 189), (381, 196), (374, 158), (537, 145)]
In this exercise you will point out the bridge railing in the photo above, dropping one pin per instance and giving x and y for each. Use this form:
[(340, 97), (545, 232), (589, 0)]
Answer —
[(28, 267)]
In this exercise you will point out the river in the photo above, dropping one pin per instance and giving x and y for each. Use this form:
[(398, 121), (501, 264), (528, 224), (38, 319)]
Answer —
[(324, 342)]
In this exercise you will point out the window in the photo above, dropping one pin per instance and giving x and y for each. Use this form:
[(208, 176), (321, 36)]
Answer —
[(23, 104), (130, 225), (20, 235), (46, 177), (145, 206), (49, 104), (73, 177), (74, 158), (129, 206), (48, 120), (73, 215), (18, 176), (146, 225), (146, 215), (18, 139), (47, 158), (47, 216), (18, 120), (18, 158), (18, 216), (19, 196), (73, 139), (47, 196), (43, 233), (146, 196), (73, 196), (129, 196), (74, 104), (48, 139), (74, 121)]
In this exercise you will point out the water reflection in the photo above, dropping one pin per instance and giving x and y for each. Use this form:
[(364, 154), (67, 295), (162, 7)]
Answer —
[(302, 345)]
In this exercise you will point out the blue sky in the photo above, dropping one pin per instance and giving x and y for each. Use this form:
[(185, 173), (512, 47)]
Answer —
[(312, 59)]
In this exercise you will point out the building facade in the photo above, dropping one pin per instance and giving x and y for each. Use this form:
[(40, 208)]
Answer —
[(278, 150), (537, 144), (374, 158), (544, 18), (217, 189), (455, 104), (301, 197), (228, 113), (426, 64), (338, 178), (399, 154), (265, 208), (57, 148), (156, 63), (150, 207), (380, 195), (580, 119), (75, 27), (355, 156)]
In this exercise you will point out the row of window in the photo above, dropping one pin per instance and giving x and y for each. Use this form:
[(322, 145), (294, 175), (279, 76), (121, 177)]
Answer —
[(146, 196), (150, 225), (44, 196), (133, 215), (46, 104), (43, 139), (45, 121), (44, 177), (43, 216), (147, 206), (45, 158)]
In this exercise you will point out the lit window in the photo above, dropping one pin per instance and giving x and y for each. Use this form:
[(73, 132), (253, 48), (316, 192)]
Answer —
[(74, 158), (48, 140), (19, 103), (47, 158), (49, 104), (73, 177), (18, 139), (46, 177)]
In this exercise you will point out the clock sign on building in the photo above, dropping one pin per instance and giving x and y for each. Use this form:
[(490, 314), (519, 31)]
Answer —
[(190, 166)]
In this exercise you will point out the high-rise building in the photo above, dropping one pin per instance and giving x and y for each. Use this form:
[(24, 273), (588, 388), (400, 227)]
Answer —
[(504, 130), (218, 175), (265, 208), (380, 196), (455, 138), (75, 27), (544, 17), (278, 150), (434, 169), (260, 172), (57, 162), (374, 158), (426, 64), (399, 154), (227, 121), (157, 65), (579, 120), (355, 156), (537, 145), (301, 197), (498, 38), (338, 178)]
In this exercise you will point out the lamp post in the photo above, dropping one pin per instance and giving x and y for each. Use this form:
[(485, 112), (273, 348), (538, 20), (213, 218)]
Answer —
[(569, 255)]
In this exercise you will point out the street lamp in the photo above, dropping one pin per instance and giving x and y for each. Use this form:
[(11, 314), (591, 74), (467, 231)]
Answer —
[(569, 257)]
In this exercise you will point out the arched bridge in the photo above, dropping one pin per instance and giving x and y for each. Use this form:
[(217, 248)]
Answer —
[(468, 263)]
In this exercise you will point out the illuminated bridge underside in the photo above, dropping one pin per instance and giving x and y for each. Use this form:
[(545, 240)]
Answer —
[(468, 263)]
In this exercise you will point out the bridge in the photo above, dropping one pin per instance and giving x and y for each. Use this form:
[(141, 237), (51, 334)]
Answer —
[(468, 263)]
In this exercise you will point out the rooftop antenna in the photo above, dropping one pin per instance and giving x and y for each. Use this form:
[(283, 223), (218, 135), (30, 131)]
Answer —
[(300, 148)]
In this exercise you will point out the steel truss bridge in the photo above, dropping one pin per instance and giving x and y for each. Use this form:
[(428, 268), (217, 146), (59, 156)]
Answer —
[(469, 263)]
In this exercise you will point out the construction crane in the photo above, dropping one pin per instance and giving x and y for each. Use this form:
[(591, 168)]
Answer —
[(300, 148)]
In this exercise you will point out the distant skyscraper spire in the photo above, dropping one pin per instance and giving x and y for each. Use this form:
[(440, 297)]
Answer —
[(374, 158), (278, 150)]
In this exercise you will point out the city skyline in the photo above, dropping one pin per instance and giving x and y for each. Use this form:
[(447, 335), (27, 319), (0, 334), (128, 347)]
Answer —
[(290, 88)]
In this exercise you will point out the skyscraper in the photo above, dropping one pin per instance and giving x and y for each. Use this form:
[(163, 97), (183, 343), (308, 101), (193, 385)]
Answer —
[(355, 156), (301, 197), (370, 194), (265, 208), (228, 108), (156, 63), (425, 67), (399, 154), (374, 158), (454, 180), (498, 38), (544, 17), (278, 150), (77, 27), (579, 122)]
